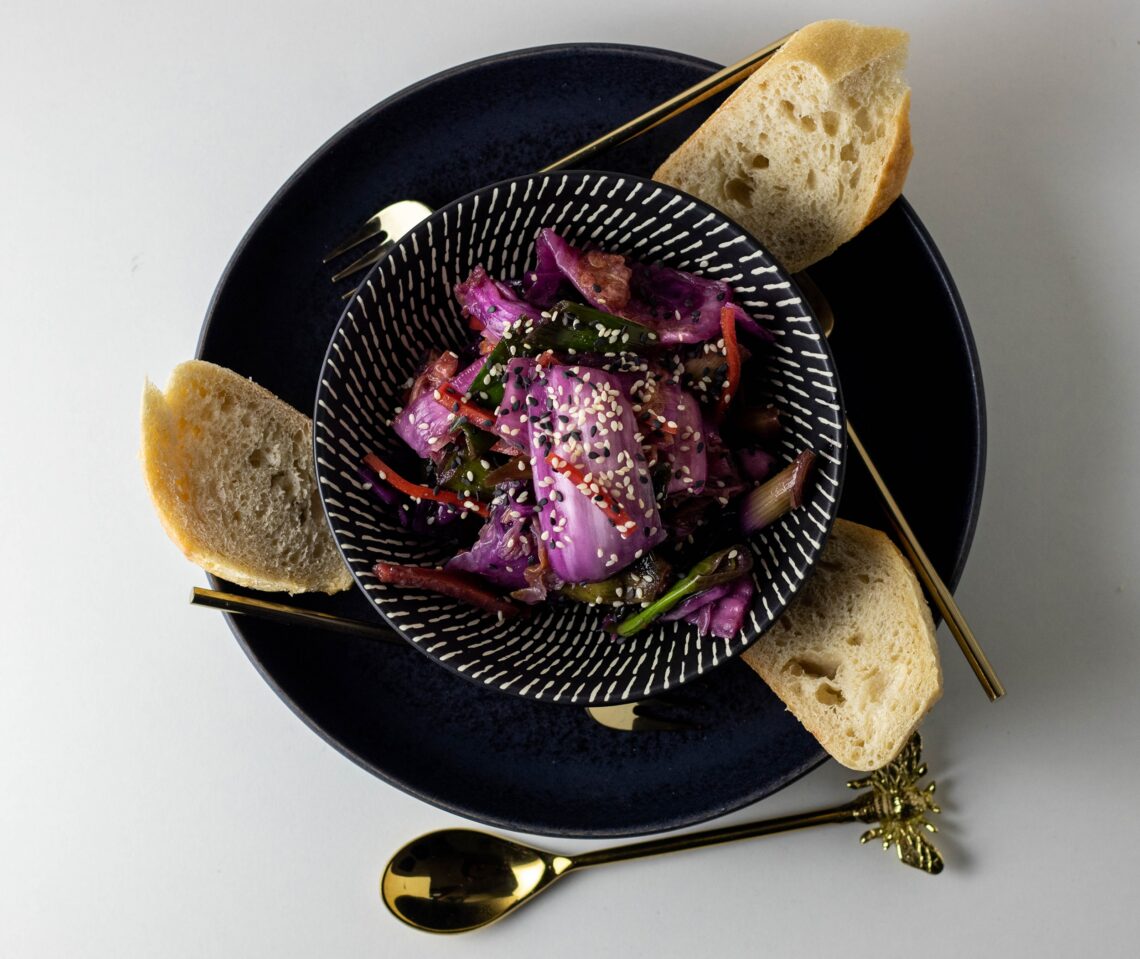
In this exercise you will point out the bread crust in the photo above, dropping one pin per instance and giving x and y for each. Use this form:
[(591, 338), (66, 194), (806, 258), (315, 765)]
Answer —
[(173, 436), (895, 169), (856, 662), (801, 216)]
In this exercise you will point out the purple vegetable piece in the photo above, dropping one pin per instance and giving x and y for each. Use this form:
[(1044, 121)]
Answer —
[(509, 423), (683, 307), (426, 518), (685, 449), (583, 417), (601, 278), (505, 548), (702, 619), (755, 464), (693, 604), (723, 479), (492, 305), (728, 613), (382, 491), (425, 425), (464, 378)]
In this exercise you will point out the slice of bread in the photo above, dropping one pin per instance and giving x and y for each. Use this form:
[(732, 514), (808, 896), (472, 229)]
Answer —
[(854, 655), (230, 469), (812, 147)]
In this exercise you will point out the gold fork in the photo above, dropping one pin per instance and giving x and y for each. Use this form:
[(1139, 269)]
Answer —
[(390, 223)]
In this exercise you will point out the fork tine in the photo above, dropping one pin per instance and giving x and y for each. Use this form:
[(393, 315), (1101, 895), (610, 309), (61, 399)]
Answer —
[(368, 229), (364, 261)]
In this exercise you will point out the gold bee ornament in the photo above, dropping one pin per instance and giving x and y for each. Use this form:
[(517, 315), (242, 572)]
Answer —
[(899, 806)]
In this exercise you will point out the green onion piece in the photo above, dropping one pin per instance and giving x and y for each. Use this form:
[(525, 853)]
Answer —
[(720, 567), (776, 496)]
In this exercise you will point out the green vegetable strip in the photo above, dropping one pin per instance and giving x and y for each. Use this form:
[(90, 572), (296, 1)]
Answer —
[(721, 567), (583, 329), (641, 582)]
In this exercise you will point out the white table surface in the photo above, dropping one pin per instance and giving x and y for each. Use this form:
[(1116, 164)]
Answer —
[(157, 799)]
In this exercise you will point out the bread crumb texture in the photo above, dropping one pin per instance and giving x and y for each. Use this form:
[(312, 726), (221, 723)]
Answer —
[(229, 467), (812, 147), (854, 656)]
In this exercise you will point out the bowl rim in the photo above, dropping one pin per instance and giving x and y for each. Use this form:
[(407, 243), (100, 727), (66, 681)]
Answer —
[(584, 174)]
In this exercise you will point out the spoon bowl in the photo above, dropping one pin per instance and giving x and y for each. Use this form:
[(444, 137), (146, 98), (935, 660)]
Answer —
[(456, 880)]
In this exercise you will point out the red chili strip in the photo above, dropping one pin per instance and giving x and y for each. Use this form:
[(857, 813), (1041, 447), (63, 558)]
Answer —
[(732, 354), (597, 495), (455, 401), (419, 491), (446, 583)]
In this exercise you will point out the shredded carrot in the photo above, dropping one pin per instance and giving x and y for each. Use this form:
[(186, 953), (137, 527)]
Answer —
[(455, 401), (596, 493), (419, 491), (732, 354)]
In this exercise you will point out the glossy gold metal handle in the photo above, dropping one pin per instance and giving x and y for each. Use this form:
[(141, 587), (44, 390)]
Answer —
[(935, 588), (710, 86)]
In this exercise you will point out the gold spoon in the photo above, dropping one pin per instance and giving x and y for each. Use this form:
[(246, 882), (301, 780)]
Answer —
[(456, 880), (935, 588)]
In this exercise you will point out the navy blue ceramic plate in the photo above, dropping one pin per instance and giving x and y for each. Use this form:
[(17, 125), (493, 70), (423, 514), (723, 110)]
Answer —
[(560, 652), (499, 759)]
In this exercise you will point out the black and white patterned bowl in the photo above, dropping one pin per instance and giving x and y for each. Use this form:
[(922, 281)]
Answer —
[(560, 653)]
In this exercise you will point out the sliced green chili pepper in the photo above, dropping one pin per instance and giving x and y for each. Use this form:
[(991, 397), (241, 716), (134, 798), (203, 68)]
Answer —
[(640, 582)]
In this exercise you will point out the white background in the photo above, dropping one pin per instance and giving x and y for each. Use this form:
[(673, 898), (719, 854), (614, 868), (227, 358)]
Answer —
[(156, 799)]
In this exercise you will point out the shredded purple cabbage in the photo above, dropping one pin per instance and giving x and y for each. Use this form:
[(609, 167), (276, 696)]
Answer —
[(683, 307), (491, 304), (425, 518), (505, 548), (684, 448), (685, 609), (465, 377), (728, 613), (719, 610), (601, 278), (582, 416), (425, 425), (511, 414), (382, 491)]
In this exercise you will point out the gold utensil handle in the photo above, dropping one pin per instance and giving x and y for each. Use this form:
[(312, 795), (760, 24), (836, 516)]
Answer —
[(710, 86), (935, 588), (292, 615), (848, 812)]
